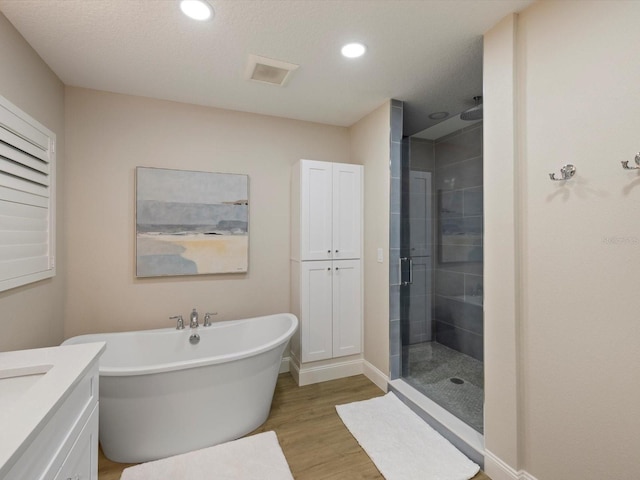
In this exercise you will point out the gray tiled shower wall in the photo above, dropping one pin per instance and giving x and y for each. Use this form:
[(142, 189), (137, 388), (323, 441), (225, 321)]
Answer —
[(395, 139), (455, 318)]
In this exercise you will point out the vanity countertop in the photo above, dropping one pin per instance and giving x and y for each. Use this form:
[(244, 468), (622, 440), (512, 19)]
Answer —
[(33, 385)]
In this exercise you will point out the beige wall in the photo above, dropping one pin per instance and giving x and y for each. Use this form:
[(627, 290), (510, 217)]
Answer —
[(32, 316), (370, 146), (501, 249), (108, 135), (577, 78)]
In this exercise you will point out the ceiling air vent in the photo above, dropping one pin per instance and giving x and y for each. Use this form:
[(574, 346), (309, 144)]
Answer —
[(268, 70)]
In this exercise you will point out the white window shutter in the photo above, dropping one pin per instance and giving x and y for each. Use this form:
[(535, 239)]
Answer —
[(27, 198)]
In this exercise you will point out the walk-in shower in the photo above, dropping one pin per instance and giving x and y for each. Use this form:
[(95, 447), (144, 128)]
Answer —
[(440, 279)]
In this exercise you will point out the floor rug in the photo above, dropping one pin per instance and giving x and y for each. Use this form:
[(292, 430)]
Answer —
[(401, 444), (258, 457)]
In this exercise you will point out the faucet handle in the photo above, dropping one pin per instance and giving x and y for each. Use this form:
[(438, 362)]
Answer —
[(180, 323), (207, 319)]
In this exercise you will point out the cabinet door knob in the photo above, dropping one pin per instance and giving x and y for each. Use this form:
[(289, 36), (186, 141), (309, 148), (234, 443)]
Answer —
[(328, 269), (337, 268)]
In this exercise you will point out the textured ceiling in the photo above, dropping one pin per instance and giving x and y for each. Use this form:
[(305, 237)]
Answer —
[(424, 52)]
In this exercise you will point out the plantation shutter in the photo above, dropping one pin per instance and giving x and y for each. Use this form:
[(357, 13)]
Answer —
[(27, 201)]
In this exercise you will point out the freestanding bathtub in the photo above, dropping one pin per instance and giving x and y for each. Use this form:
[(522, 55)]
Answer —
[(161, 396)]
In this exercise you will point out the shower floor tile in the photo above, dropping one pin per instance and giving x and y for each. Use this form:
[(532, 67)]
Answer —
[(450, 378)]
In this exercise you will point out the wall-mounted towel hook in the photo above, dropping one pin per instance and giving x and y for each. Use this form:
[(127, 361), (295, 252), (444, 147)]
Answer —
[(566, 173), (625, 164)]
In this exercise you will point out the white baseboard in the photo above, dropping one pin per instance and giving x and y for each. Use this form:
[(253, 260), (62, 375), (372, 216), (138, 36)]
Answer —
[(376, 376), (499, 470), (294, 370), (308, 374), (284, 364), (526, 476), (322, 373)]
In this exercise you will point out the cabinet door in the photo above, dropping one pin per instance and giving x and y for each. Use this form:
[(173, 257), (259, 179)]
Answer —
[(347, 308), (82, 461), (347, 210), (315, 215), (315, 300)]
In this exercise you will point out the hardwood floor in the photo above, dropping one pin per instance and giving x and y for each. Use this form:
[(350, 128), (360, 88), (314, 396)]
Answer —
[(314, 440)]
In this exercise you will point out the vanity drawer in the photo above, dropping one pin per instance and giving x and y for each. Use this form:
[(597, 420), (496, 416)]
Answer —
[(82, 461), (46, 453)]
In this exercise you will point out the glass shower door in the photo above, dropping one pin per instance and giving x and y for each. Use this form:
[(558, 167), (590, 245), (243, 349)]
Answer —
[(416, 251), (441, 272)]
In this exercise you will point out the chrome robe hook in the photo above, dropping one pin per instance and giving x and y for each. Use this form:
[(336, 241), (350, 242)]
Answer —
[(625, 164), (566, 173)]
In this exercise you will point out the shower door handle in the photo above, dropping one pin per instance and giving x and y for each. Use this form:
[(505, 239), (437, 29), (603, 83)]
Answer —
[(410, 260)]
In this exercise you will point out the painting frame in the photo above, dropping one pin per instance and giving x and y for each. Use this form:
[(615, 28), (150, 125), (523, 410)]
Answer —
[(190, 222)]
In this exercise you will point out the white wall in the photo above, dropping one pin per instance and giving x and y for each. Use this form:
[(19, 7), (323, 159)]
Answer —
[(370, 146), (577, 101), (32, 316), (108, 135)]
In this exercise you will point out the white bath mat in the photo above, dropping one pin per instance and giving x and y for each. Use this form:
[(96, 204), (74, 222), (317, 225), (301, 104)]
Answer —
[(258, 457), (401, 444)]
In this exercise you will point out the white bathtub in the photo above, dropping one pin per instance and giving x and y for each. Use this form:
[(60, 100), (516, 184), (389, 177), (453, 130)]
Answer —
[(161, 396)]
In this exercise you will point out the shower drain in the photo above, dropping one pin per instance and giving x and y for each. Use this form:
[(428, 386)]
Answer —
[(457, 381)]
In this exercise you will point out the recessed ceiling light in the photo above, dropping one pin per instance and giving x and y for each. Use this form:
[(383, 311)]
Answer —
[(353, 50), (438, 115), (196, 9)]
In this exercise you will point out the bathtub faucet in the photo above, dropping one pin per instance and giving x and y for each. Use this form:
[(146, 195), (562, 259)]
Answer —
[(194, 338), (180, 323), (207, 319)]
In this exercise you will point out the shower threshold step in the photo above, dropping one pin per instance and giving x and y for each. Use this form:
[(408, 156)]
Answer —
[(462, 436)]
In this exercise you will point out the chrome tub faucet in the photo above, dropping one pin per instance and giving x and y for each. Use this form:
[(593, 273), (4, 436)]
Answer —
[(194, 319), (180, 321), (207, 319), (194, 338)]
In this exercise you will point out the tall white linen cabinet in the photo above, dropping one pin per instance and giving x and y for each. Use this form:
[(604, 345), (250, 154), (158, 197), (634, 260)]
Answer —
[(326, 272)]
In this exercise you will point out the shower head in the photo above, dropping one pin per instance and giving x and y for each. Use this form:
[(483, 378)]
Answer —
[(473, 113)]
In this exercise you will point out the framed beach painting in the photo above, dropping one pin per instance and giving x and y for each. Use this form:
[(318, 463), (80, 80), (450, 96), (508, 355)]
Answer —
[(191, 223)]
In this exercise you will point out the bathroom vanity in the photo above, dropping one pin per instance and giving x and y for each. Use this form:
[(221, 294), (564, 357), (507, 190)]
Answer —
[(49, 413)]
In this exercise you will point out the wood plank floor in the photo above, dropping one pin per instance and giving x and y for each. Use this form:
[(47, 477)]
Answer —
[(314, 440)]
